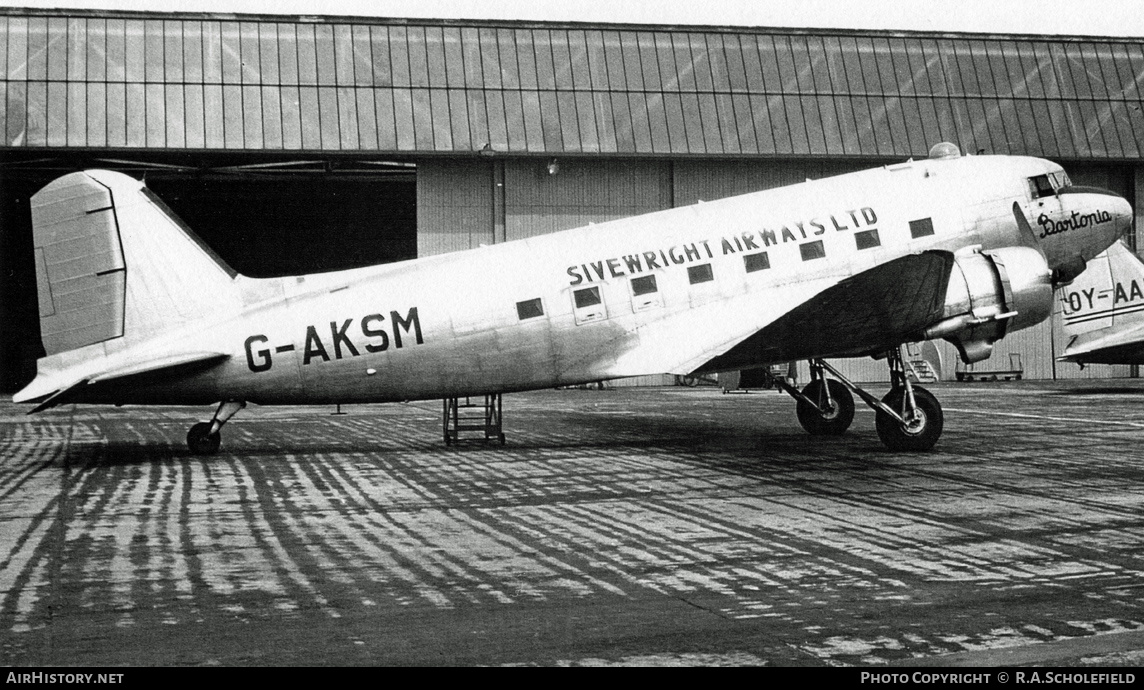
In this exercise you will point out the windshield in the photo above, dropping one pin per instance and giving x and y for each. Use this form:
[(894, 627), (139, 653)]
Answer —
[(1048, 184)]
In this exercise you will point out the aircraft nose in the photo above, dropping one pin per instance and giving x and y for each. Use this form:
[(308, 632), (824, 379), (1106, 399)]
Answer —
[(1122, 215), (1103, 216)]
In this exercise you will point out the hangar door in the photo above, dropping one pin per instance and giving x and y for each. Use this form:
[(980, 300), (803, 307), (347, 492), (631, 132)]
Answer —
[(267, 227)]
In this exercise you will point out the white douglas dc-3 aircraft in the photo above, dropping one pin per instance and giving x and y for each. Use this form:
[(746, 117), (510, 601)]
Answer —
[(136, 310), (1104, 310)]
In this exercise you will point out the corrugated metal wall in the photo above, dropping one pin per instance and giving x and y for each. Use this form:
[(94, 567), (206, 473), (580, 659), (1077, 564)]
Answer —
[(698, 180), (580, 191), (71, 78), (454, 206)]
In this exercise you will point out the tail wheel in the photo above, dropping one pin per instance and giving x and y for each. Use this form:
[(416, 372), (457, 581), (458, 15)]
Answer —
[(838, 414), (922, 428), (201, 441)]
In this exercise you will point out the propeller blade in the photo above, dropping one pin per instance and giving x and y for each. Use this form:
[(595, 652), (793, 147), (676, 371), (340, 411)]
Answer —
[(1028, 237)]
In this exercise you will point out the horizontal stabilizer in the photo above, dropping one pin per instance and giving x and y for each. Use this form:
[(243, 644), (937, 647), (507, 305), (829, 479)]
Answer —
[(59, 397), (159, 365), (1123, 345), (59, 393)]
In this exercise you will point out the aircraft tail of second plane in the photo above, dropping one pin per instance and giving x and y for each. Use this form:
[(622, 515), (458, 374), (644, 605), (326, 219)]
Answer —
[(1103, 309)]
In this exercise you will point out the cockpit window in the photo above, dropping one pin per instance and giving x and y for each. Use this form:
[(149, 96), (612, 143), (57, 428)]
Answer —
[(1041, 186), (1048, 184)]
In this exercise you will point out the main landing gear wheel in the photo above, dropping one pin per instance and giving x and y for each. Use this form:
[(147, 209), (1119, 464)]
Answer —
[(201, 441), (832, 417), (908, 418), (922, 428)]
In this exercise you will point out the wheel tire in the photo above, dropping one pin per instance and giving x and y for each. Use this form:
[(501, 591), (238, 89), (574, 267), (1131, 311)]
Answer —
[(921, 434), (838, 419), (201, 441)]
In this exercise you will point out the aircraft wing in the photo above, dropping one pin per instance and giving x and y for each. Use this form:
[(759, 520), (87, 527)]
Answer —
[(59, 387), (865, 314)]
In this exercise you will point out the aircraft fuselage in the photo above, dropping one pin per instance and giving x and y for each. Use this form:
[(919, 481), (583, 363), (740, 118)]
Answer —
[(657, 293)]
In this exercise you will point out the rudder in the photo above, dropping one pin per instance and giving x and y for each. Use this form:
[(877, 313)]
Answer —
[(80, 272)]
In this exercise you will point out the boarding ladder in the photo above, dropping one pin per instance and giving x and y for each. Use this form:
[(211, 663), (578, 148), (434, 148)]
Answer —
[(922, 371), (471, 414)]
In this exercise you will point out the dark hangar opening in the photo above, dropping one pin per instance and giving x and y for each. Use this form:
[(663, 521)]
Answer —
[(277, 227)]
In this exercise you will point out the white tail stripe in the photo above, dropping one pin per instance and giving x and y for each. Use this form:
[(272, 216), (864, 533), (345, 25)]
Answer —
[(1115, 311)]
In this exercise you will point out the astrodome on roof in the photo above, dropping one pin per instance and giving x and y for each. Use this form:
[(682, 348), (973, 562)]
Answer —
[(944, 150)]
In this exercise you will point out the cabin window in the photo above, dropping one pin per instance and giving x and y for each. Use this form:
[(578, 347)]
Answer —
[(921, 228), (812, 250), (645, 293), (529, 309), (1041, 186), (700, 274), (587, 297), (589, 306), (644, 285), (867, 239), (756, 262)]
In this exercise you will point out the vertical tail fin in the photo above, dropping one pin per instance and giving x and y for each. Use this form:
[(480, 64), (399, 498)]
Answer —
[(1104, 307), (112, 262)]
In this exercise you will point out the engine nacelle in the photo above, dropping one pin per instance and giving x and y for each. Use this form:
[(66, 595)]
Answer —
[(991, 293)]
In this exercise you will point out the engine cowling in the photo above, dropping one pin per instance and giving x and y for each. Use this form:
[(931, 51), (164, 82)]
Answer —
[(991, 293)]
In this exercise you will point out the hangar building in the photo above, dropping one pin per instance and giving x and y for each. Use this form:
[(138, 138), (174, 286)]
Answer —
[(308, 143)]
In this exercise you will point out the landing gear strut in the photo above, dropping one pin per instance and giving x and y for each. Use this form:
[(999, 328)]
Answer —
[(204, 438), (907, 418), (910, 417)]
